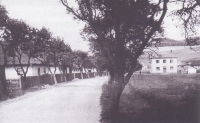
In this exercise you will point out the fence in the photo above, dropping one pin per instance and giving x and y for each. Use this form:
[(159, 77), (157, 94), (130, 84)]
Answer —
[(48, 79)]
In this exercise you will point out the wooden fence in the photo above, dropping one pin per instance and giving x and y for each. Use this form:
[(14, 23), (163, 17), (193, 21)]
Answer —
[(48, 79)]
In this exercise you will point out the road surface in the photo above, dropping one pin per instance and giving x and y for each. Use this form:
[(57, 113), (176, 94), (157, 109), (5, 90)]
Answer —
[(74, 102)]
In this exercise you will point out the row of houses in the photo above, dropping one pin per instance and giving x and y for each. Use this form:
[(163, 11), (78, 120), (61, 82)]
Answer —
[(11, 73), (14, 71)]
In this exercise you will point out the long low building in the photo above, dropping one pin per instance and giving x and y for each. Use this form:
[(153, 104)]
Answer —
[(14, 71)]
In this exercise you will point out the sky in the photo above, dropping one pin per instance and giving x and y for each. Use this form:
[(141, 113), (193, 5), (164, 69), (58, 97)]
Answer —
[(52, 14)]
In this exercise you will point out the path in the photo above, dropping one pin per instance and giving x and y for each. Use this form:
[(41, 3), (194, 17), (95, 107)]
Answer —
[(74, 102)]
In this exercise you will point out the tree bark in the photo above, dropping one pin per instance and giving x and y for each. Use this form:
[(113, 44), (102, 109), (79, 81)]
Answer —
[(64, 75), (81, 75), (54, 78), (25, 81), (115, 88)]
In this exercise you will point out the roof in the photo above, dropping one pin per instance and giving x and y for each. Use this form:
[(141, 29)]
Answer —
[(23, 61), (189, 67), (10, 65), (164, 58), (195, 63)]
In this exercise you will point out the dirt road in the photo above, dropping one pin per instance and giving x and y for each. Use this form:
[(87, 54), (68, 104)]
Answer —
[(74, 102)]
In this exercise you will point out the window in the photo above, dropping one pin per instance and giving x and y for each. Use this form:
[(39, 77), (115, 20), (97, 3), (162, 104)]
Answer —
[(171, 61), (157, 68), (171, 68), (157, 61), (164, 61)]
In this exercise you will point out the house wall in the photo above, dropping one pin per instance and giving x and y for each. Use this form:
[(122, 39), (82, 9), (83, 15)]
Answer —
[(34, 70), (11, 73), (191, 70), (170, 67), (85, 70), (52, 70), (39, 70)]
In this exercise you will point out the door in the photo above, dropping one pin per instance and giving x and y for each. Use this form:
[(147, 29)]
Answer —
[(164, 69)]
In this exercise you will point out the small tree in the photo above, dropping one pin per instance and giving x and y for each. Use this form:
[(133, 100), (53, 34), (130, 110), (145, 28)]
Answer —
[(53, 54), (79, 60), (65, 60), (17, 39), (23, 44)]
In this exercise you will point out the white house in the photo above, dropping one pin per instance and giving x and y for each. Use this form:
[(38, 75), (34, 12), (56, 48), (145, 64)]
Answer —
[(85, 70), (164, 65), (33, 70), (191, 70)]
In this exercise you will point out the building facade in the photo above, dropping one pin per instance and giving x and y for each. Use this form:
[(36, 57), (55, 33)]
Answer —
[(164, 65), (33, 70)]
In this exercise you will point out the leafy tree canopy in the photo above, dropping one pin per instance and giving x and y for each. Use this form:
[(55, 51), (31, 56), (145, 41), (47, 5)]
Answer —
[(3, 16)]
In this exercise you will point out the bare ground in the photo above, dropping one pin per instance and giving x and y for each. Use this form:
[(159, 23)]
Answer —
[(74, 102)]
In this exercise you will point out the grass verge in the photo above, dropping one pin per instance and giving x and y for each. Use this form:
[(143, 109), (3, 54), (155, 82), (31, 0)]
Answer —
[(158, 99)]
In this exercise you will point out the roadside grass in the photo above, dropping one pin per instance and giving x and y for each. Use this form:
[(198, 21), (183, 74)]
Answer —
[(158, 99)]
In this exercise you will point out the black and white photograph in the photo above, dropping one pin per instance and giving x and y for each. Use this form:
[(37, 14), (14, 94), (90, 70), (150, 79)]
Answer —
[(99, 61)]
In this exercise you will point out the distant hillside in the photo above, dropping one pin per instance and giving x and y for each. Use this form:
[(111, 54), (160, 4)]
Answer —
[(184, 55), (163, 42)]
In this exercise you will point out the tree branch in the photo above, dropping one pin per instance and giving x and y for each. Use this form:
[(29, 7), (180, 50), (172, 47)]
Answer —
[(70, 9), (144, 43)]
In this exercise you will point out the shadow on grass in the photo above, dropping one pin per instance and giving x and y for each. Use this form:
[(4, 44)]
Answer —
[(174, 104)]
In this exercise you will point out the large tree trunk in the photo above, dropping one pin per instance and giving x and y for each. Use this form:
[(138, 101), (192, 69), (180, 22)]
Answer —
[(115, 87)]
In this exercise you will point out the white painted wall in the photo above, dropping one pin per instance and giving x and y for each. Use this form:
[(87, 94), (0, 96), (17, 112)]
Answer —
[(161, 65), (85, 70), (191, 70), (11, 73), (52, 70)]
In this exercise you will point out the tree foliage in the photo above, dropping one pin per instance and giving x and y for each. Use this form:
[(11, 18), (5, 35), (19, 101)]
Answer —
[(79, 59), (22, 43), (3, 16)]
